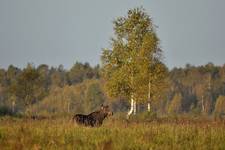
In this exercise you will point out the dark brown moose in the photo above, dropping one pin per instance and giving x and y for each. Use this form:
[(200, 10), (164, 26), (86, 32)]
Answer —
[(94, 119)]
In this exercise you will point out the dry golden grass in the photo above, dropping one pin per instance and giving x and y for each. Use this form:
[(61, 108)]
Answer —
[(56, 134)]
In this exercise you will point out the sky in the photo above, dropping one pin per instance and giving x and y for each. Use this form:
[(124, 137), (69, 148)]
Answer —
[(58, 32)]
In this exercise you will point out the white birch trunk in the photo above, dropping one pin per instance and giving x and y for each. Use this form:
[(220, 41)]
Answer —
[(149, 107), (132, 101), (203, 107), (13, 106), (149, 96), (68, 107), (135, 107), (131, 107)]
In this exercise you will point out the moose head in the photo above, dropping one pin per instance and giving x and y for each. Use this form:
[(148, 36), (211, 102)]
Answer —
[(105, 110)]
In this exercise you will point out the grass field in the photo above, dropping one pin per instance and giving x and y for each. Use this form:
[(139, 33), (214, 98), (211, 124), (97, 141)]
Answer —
[(56, 134)]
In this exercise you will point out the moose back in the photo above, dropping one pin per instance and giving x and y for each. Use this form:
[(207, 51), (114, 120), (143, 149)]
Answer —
[(93, 119)]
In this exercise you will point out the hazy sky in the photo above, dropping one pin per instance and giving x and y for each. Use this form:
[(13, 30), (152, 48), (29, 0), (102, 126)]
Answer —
[(57, 32)]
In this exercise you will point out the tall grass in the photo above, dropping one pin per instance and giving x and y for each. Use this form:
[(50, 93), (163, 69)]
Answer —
[(114, 134)]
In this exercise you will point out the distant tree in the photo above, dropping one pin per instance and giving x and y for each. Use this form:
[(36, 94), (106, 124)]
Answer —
[(96, 72), (79, 72), (80, 98), (44, 72), (2, 85), (12, 74), (175, 104), (11, 78), (199, 86), (1, 94), (133, 67), (94, 96), (53, 104), (29, 87), (2, 77), (203, 91), (58, 77), (220, 106)]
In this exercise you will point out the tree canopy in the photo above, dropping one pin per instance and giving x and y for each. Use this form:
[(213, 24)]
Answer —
[(135, 57)]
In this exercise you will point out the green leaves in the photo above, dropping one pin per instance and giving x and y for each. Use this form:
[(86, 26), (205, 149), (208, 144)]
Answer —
[(135, 57), (175, 104), (29, 86), (220, 106)]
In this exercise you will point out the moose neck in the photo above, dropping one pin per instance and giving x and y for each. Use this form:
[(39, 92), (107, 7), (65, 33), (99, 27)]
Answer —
[(99, 114)]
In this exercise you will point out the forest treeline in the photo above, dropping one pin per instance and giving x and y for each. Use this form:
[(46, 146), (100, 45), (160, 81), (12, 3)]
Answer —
[(46, 90)]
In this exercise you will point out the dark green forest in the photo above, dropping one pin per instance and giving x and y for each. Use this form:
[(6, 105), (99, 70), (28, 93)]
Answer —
[(45, 90)]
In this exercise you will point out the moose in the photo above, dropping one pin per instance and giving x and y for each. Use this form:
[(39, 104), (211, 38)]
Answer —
[(94, 119)]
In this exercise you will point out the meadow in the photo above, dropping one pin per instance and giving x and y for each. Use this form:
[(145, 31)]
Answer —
[(53, 134)]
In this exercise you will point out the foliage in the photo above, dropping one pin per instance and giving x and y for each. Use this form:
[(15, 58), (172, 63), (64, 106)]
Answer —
[(175, 104), (21, 88), (81, 98), (197, 85), (135, 57), (79, 72), (220, 106), (94, 96), (29, 86)]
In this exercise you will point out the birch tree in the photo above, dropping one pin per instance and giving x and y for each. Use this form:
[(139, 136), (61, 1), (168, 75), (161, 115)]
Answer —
[(133, 66)]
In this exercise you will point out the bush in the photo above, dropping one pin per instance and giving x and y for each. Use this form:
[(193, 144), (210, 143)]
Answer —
[(4, 110), (144, 116), (219, 112)]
